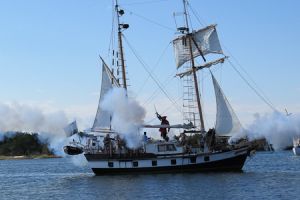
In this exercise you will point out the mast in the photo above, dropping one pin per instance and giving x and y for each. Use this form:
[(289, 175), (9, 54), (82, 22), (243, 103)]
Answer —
[(196, 87), (120, 27), (194, 69)]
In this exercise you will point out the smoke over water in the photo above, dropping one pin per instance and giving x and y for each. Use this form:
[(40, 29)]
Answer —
[(279, 130), (15, 117), (127, 114)]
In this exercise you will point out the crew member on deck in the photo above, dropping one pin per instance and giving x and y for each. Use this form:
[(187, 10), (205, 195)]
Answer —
[(163, 131), (145, 138), (107, 142)]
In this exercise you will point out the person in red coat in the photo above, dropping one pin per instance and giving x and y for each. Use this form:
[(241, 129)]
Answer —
[(163, 131)]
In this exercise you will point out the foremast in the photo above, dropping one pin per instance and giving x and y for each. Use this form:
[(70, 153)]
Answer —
[(102, 122), (120, 27)]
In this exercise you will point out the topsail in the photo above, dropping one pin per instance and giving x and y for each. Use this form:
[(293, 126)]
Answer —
[(204, 41)]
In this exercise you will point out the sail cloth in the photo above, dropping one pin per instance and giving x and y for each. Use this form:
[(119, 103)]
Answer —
[(206, 39), (71, 129), (103, 118), (227, 123), (207, 65)]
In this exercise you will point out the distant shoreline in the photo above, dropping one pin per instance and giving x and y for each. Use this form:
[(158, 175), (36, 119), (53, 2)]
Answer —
[(27, 157)]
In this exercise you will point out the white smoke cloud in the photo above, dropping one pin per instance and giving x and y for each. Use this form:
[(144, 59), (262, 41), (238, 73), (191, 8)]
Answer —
[(16, 117), (279, 130), (127, 114), (79, 160), (27, 118), (9, 134)]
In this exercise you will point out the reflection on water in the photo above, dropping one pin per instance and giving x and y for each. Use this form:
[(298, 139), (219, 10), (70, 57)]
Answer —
[(265, 176)]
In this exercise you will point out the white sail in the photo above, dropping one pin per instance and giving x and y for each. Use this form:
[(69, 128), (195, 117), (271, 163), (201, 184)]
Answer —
[(205, 39), (71, 129), (207, 65), (227, 122), (103, 118)]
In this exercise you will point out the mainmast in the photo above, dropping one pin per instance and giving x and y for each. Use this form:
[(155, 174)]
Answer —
[(120, 27), (194, 68)]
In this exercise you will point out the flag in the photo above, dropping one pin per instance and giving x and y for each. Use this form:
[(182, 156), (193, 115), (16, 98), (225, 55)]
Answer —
[(71, 129)]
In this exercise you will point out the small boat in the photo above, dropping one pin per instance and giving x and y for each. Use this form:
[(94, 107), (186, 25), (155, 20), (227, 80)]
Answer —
[(106, 150), (72, 150), (296, 148)]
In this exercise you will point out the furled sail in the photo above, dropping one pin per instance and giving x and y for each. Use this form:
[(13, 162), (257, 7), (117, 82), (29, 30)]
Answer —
[(102, 119), (207, 65), (205, 40), (227, 122)]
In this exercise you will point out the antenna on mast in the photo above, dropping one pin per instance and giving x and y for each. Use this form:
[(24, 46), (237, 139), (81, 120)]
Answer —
[(183, 29)]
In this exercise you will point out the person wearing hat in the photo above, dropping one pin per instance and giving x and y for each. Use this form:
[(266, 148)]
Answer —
[(163, 131)]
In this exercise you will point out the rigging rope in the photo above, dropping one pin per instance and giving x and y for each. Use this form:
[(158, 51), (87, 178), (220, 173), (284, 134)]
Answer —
[(273, 107), (152, 70), (268, 102), (251, 86), (152, 76), (196, 15), (150, 20), (165, 110), (144, 2), (158, 91)]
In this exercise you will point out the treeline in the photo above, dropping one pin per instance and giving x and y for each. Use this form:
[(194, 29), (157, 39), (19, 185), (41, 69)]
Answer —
[(23, 144)]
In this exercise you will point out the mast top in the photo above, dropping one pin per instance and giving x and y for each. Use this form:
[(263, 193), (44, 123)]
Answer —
[(120, 27)]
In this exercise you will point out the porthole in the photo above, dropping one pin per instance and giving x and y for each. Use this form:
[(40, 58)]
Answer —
[(110, 164), (173, 162), (154, 162), (135, 164)]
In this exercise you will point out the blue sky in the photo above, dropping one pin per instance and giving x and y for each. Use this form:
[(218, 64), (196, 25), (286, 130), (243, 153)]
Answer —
[(49, 53)]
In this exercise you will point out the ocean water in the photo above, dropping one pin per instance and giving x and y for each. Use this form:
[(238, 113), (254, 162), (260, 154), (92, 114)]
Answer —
[(267, 175)]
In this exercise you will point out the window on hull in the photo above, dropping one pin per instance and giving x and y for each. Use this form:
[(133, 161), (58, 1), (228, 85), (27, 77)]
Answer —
[(193, 160), (110, 164), (206, 158), (173, 162), (166, 147), (154, 162)]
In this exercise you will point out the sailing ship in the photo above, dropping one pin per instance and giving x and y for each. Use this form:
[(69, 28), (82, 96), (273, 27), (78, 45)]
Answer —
[(106, 151)]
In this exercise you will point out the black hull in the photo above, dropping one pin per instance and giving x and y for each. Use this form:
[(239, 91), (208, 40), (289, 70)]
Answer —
[(70, 150), (231, 164)]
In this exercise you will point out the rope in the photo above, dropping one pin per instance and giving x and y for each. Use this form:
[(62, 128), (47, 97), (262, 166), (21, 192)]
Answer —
[(165, 110), (153, 70), (251, 86), (158, 91), (273, 107), (196, 15), (269, 103), (150, 20), (144, 2), (154, 78)]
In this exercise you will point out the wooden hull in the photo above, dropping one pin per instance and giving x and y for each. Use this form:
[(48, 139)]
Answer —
[(145, 163)]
